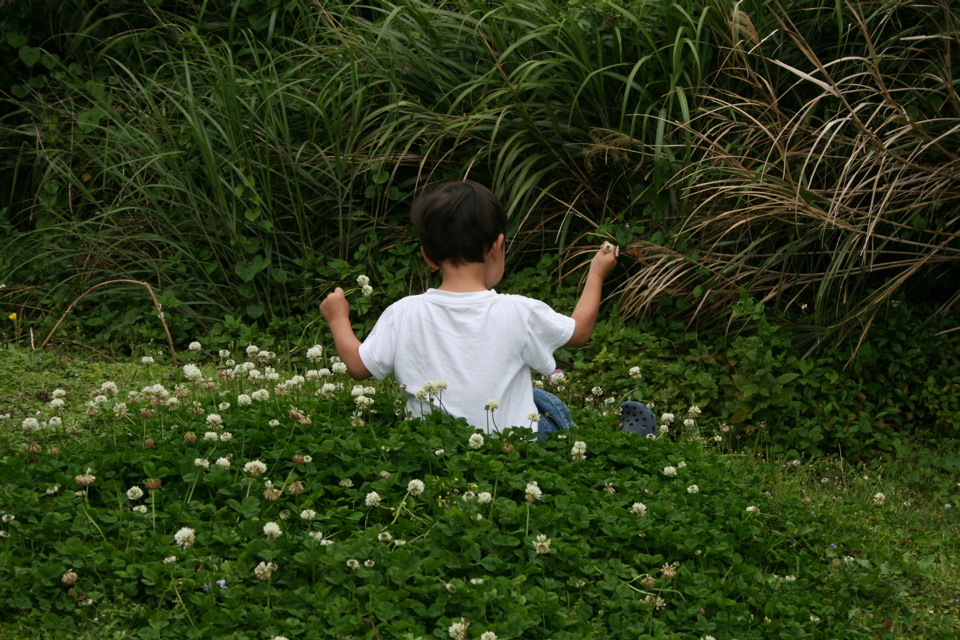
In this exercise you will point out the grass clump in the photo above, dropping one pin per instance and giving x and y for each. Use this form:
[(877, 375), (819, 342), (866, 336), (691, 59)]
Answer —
[(263, 499)]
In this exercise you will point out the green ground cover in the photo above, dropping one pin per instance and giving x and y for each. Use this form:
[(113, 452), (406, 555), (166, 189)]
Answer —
[(693, 534)]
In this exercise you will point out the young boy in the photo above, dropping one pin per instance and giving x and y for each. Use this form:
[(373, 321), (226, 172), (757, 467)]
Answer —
[(482, 343)]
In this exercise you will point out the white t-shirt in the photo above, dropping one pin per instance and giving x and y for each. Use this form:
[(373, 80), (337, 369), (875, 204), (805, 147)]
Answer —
[(483, 344)]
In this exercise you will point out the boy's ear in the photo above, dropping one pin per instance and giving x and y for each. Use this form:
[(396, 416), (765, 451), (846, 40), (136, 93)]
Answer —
[(427, 258), (498, 246)]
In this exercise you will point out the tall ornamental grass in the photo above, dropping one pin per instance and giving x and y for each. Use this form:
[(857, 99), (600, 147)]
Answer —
[(233, 171), (825, 172)]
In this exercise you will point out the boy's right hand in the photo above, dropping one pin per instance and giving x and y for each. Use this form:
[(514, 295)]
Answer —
[(335, 306), (604, 261)]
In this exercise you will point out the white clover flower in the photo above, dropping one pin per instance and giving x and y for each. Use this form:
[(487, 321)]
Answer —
[(849, 560), (384, 536), (211, 436), (689, 422), (353, 563), (57, 404), (202, 462), (363, 281), (272, 530), (134, 493), (244, 400), (338, 367), (109, 388), (307, 459), (438, 452), (669, 471), (140, 508), (147, 360), (260, 395), (879, 498), (59, 393), (663, 429), (8, 517), (634, 373), (223, 462), (484, 497), (315, 353), (223, 353), (533, 417), (264, 570), (752, 509), (169, 559), (52, 489), (317, 535), (369, 564), (681, 464), (693, 489), (639, 509), (541, 544), (475, 441), (487, 635), (416, 487), (192, 373), (366, 290), (194, 346), (372, 499), (346, 483), (557, 377), (694, 411), (31, 424), (255, 468), (533, 492), (597, 391), (667, 418), (492, 405), (185, 537), (458, 630)]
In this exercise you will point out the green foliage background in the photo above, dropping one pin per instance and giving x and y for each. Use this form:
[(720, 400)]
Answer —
[(779, 176)]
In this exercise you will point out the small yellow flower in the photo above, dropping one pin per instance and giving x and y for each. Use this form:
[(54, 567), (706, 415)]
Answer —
[(13, 316)]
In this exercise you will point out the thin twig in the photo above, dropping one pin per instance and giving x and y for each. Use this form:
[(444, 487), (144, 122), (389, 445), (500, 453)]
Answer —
[(156, 304)]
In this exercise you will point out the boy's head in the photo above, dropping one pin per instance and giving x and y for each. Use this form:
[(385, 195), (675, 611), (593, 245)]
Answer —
[(458, 222)]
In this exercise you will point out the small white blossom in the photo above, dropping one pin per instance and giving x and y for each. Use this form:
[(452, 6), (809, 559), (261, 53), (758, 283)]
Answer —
[(416, 487), (484, 497), (255, 468), (541, 544), (169, 559), (634, 373), (693, 489), (147, 360), (223, 462), (476, 441), (667, 418), (202, 462), (140, 508), (134, 493), (669, 471), (272, 530), (315, 353), (458, 630), (879, 498), (185, 537), (243, 400), (372, 499), (533, 492), (492, 405), (194, 346)]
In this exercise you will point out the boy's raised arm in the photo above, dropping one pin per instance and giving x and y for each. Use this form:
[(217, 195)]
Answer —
[(336, 311), (588, 306)]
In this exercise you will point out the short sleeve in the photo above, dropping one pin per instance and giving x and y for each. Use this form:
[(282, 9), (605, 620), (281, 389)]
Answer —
[(547, 331), (378, 351)]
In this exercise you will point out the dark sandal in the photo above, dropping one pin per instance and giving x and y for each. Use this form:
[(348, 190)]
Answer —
[(637, 418)]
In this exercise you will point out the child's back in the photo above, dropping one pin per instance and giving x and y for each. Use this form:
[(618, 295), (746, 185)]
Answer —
[(481, 343)]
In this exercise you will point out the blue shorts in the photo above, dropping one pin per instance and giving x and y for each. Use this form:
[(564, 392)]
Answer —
[(554, 415)]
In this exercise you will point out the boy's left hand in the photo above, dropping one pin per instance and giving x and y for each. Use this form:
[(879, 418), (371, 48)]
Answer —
[(335, 306)]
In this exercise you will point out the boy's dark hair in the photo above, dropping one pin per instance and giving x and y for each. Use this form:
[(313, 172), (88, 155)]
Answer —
[(458, 222)]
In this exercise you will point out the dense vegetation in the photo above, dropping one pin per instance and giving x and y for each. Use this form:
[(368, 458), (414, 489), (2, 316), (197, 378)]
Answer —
[(782, 179)]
